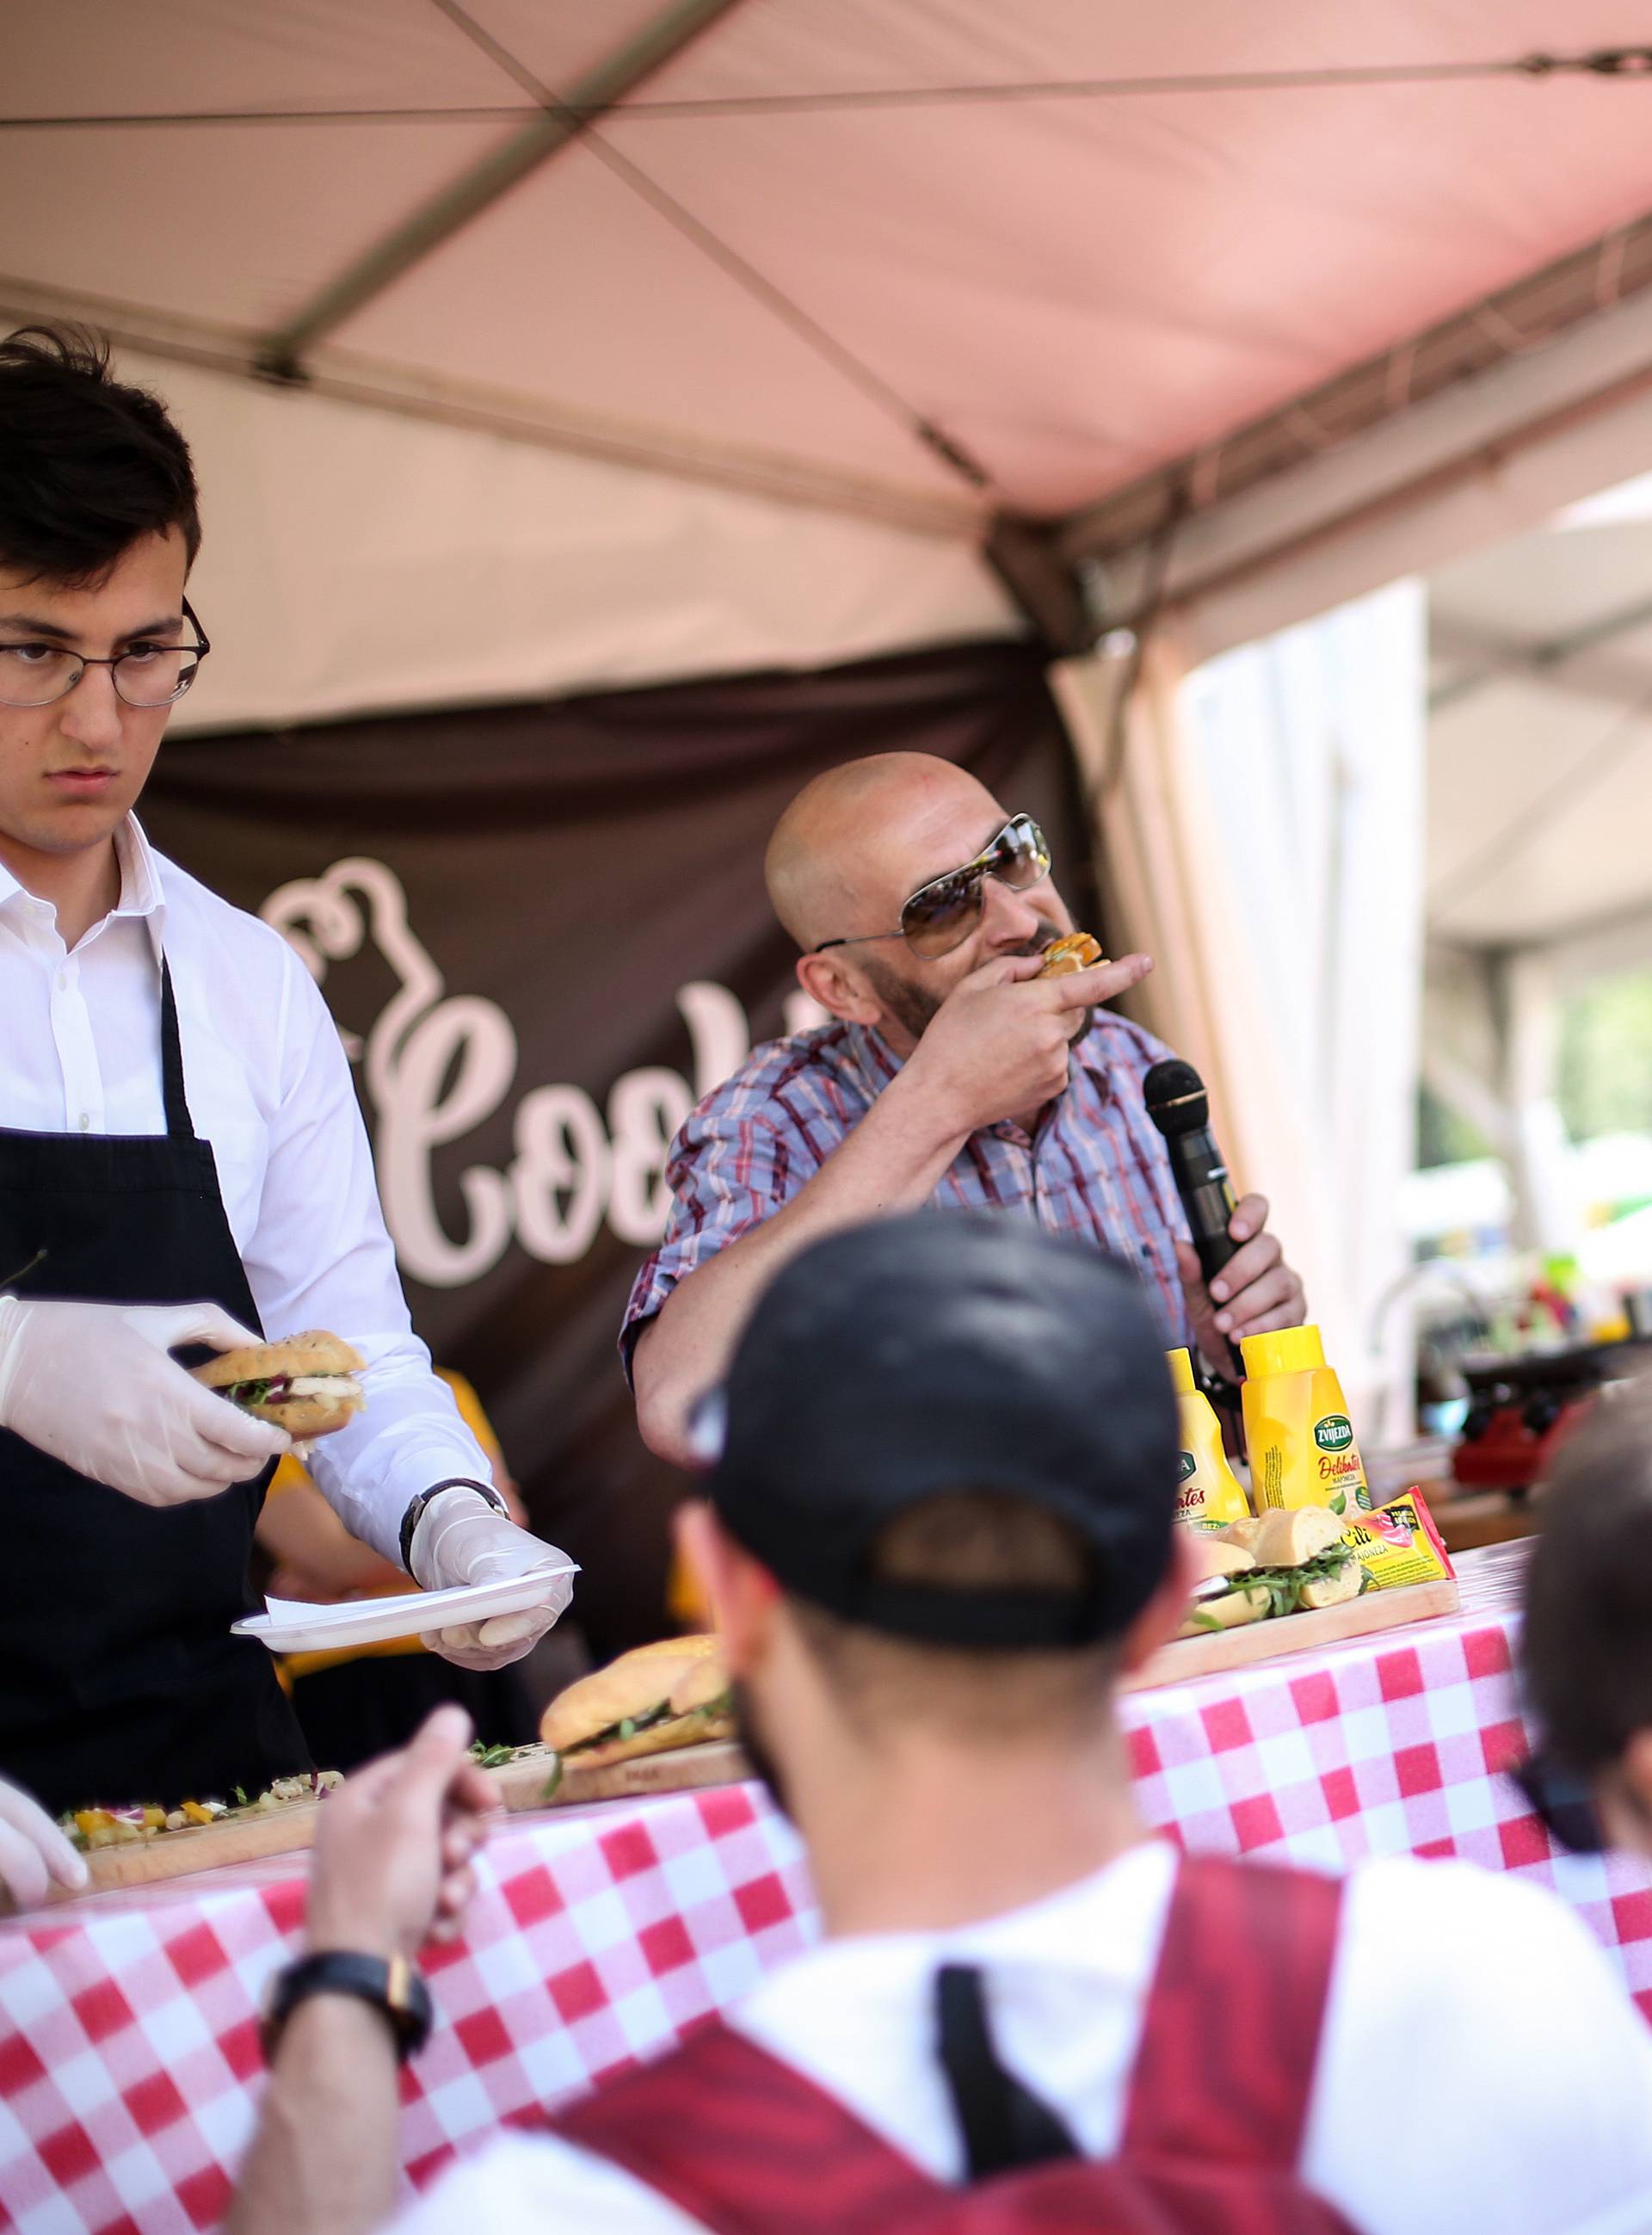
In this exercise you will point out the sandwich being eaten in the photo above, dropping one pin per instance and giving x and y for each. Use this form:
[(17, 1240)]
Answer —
[(1075, 950), (672, 1693), (1284, 1562), (307, 1385)]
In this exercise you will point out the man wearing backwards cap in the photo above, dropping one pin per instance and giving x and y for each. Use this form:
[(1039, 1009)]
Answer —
[(922, 909), (939, 1532)]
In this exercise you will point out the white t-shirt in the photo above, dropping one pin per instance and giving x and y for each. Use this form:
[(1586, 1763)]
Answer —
[(1480, 2066)]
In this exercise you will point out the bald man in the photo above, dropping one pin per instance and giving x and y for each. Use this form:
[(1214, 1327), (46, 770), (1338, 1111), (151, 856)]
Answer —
[(946, 1075)]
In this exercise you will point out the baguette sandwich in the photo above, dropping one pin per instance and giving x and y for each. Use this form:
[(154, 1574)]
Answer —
[(672, 1693), (1074, 951), (1287, 1561), (307, 1385)]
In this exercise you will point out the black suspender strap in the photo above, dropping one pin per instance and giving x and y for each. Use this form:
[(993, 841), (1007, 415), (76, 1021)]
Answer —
[(1004, 2124), (179, 1124)]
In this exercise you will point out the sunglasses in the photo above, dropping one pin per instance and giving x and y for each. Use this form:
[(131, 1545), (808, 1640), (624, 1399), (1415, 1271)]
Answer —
[(942, 915)]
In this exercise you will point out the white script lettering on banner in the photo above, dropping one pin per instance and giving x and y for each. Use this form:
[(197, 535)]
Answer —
[(438, 1064)]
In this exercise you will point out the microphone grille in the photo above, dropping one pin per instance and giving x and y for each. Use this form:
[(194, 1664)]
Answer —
[(1177, 1101)]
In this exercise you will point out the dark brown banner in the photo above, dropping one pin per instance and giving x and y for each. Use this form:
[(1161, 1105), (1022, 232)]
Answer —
[(543, 934)]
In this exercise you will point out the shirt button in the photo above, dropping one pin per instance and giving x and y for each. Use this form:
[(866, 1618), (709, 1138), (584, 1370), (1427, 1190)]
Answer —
[(63, 981), (86, 1121)]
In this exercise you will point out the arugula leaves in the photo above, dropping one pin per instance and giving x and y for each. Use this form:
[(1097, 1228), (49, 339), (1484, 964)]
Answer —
[(1285, 1586)]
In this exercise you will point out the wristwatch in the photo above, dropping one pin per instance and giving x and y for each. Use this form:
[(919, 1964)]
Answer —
[(415, 1512), (389, 1984)]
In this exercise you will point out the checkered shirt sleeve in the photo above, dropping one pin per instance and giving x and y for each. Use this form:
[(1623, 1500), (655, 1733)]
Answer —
[(748, 1148)]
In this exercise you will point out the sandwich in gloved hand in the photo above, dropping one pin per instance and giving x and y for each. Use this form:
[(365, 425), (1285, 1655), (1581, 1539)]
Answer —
[(672, 1693), (1074, 951), (1290, 1560), (307, 1385)]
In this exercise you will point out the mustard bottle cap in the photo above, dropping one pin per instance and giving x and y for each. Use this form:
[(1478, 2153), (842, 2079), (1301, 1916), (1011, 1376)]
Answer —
[(1181, 1373), (1286, 1350)]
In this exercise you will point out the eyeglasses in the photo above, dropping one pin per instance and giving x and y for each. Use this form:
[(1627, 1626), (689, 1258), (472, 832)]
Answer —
[(942, 915), (145, 675)]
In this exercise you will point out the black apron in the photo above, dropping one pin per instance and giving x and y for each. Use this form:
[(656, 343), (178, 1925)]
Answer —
[(119, 1679)]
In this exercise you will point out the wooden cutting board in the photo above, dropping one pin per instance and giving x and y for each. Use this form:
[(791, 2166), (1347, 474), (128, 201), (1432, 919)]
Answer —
[(1184, 1658), (292, 1829), (199, 1847), (688, 1769)]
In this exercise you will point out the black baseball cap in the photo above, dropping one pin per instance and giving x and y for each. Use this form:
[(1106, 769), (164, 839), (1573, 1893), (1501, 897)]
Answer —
[(951, 1351)]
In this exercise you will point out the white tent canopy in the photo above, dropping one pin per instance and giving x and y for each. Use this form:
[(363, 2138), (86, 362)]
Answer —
[(1541, 736), (763, 313)]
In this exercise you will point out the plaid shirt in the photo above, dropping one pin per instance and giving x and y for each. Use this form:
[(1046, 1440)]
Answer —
[(1096, 1167)]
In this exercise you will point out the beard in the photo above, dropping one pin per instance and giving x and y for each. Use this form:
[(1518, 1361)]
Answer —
[(913, 1009), (748, 1724), (908, 1005)]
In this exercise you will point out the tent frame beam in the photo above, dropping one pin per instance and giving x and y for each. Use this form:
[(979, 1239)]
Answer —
[(1564, 663), (281, 354), (1472, 342), (371, 385)]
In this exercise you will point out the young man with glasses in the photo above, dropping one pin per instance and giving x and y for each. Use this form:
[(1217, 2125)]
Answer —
[(182, 1162), (922, 908)]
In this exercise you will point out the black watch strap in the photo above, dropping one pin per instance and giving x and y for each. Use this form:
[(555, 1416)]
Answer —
[(389, 1984), (415, 1512)]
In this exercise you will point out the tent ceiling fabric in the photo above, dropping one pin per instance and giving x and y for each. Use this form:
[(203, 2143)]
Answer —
[(1540, 741), (894, 288)]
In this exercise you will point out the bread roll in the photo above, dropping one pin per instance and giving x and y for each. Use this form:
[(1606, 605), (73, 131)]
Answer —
[(1212, 1557), (1286, 1536), (312, 1356), (1233, 1611), (1074, 951)]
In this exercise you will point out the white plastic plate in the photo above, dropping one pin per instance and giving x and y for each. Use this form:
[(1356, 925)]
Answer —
[(295, 1626)]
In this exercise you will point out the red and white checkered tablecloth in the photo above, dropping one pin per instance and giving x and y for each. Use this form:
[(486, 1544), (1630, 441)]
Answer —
[(128, 2052), (1388, 1745)]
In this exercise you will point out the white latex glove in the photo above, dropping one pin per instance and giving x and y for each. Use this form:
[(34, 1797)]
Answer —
[(92, 1385), (461, 1539), (33, 1851)]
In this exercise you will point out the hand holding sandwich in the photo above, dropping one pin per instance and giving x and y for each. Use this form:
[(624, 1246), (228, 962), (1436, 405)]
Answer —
[(92, 1385), (462, 1538), (998, 1045)]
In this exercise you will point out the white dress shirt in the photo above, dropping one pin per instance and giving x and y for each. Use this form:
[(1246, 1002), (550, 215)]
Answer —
[(1480, 2065), (269, 1085)]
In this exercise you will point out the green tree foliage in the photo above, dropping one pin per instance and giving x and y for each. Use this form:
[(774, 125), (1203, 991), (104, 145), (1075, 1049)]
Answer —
[(1442, 1136), (1606, 1057)]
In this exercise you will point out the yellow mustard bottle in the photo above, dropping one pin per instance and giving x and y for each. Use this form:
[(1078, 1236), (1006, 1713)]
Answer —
[(1208, 1494), (1297, 1430)]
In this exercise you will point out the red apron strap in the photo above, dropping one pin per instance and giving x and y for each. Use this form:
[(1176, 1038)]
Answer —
[(745, 2144), (1225, 2068)]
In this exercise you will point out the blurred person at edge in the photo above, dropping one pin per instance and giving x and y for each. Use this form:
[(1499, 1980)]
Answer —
[(182, 1162), (939, 1532), (944, 1076), (354, 1701), (1586, 1639)]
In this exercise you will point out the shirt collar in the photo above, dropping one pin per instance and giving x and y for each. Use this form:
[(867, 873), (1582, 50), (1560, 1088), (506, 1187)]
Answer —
[(141, 888), (141, 892), (875, 1059)]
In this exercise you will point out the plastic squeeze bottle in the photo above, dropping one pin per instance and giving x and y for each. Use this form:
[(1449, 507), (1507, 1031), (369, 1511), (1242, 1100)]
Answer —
[(1208, 1495), (1297, 1429)]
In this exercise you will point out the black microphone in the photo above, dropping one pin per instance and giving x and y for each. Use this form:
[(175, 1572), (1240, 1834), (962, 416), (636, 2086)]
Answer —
[(1179, 1106)]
